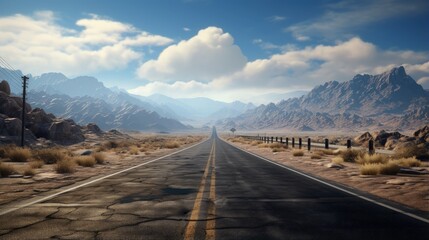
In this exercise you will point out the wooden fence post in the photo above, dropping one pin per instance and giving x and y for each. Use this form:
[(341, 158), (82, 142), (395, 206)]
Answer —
[(371, 147), (293, 142), (287, 142), (349, 143), (309, 144), (326, 143), (300, 143)]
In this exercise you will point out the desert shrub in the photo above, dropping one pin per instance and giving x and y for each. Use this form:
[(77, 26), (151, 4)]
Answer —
[(316, 156), (277, 149), (389, 168), (370, 169), (36, 164), (98, 157), (276, 145), (418, 151), (85, 161), (49, 155), (110, 144), (16, 154), (350, 155), (29, 172), (264, 145), (65, 166), (298, 153), (408, 162), (337, 160), (171, 144), (255, 143), (6, 170), (374, 158), (134, 150)]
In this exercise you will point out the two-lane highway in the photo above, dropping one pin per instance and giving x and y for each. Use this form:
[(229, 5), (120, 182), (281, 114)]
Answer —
[(210, 191)]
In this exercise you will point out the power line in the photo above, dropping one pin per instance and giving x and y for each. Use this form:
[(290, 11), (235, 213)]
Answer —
[(13, 80), (14, 71)]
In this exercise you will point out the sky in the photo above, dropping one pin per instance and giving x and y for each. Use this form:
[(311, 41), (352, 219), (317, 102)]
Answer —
[(222, 49)]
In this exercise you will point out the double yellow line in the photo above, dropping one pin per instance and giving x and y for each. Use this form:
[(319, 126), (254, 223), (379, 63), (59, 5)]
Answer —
[(211, 211)]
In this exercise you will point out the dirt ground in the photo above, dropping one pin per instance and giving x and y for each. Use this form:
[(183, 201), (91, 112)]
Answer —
[(20, 187), (409, 190)]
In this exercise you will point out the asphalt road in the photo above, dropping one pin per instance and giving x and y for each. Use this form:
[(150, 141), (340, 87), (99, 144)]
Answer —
[(210, 191)]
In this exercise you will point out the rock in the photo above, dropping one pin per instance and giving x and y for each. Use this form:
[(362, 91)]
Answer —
[(16, 176), (13, 126), (93, 128), (396, 181), (40, 122), (334, 165), (363, 139), (83, 152), (9, 106), (65, 132), (4, 87), (382, 137), (391, 144), (415, 171), (422, 133)]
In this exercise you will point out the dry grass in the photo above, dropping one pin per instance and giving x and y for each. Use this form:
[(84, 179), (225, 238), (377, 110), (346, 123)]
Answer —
[(374, 158), (65, 166), (50, 155), (16, 154), (29, 172), (351, 155), (298, 153), (255, 143), (370, 169), (337, 160), (417, 151), (85, 161), (316, 156), (408, 162), (134, 150), (329, 152), (171, 144), (6, 170), (238, 139), (389, 168), (36, 164), (264, 145), (99, 157)]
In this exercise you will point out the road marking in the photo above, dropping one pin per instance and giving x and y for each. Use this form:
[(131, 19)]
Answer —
[(193, 220), (14, 208), (333, 186), (211, 215)]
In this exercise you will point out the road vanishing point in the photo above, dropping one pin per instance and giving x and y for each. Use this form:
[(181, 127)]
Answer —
[(211, 190)]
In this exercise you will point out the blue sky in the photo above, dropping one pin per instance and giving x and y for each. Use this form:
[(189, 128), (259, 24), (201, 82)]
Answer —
[(221, 49)]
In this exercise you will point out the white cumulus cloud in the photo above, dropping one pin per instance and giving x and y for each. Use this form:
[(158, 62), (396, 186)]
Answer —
[(38, 44), (210, 54)]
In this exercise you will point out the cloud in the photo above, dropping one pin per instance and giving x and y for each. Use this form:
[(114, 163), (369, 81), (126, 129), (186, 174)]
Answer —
[(342, 17), (96, 44), (276, 18), (186, 29), (209, 54), (297, 69)]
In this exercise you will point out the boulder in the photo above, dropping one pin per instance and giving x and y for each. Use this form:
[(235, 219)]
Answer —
[(39, 122), (363, 139), (8, 106), (4, 87), (382, 137), (65, 132), (422, 134), (13, 126), (93, 128)]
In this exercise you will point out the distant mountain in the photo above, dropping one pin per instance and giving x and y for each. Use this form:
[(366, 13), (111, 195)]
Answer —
[(275, 97), (391, 99), (107, 116)]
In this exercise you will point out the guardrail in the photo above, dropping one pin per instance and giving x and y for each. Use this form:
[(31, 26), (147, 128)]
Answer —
[(299, 144)]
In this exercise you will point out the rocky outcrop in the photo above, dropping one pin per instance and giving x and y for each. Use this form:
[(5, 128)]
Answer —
[(422, 135), (38, 123), (364, 138), (382, 137), (4, 87)]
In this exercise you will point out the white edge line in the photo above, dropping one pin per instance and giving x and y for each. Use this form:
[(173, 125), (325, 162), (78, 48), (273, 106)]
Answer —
[(333, 186), (96, 180)]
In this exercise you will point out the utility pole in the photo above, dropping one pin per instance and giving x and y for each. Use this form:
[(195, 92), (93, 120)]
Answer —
[(24, 92)]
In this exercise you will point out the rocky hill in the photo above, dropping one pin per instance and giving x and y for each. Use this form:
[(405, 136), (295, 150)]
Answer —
[(389, 100), (38, 124)]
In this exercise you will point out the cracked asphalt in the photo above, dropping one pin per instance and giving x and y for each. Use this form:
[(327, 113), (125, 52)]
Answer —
[(210, 191)]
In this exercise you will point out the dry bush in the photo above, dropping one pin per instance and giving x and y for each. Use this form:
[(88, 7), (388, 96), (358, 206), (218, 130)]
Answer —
[(238, 139), (110, 144), (6, 170), (134, 150), (264, 145), (418, 151), (337, 160), (85, 161), (255, 143), (374, 158), (29, 172), (351, 155), (389, 168), (298, 153), (171, 144), (16, 154), (65, 166), (98, 157), (50, 155), (407, 162), (370, 169), (36, 164), (316, 156)]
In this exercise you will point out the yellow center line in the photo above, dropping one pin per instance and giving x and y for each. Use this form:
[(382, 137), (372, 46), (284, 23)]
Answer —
[(191, 227), (211, 215)]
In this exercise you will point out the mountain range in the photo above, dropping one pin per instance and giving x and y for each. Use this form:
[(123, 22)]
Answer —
[(389, 100)]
